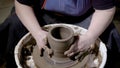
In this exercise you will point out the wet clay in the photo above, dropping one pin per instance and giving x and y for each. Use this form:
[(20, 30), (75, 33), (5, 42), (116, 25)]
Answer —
[(60, 39)]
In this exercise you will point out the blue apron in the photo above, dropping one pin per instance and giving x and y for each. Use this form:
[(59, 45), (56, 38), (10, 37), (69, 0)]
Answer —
[(69, 7)]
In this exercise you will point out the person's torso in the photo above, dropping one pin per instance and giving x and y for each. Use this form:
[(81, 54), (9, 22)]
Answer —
[(69, 7)]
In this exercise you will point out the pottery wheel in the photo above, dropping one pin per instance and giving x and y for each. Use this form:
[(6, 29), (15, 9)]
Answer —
[(48, 62), (91, 60)]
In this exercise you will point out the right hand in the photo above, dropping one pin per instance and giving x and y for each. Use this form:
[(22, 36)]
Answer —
[(41, 40)]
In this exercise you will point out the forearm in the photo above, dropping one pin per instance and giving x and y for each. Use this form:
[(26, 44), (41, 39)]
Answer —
[(27, 17), (100, 20)]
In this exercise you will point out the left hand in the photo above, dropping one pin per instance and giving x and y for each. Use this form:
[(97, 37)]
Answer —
[(82, 44)]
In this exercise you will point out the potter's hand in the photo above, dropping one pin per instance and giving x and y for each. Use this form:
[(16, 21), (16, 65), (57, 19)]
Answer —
[(41, 40), (82, 44)]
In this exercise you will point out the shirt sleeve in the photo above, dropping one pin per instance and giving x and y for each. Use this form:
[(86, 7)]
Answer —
[(103, 4), (26, 2)]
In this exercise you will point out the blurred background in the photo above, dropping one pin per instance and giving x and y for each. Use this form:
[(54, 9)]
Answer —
[(117, 15), (5, 7)]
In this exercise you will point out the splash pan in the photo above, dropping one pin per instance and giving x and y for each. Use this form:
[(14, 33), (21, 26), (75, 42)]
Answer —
[(27, 54)]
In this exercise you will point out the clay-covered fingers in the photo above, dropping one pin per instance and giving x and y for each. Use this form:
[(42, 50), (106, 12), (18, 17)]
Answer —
[(72, 50), (42, 42), (44, 47), (79, 55), (41, 49), (48, 50)]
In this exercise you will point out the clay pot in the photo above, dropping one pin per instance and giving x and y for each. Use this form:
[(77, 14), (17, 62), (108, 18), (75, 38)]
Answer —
[(60, 39)]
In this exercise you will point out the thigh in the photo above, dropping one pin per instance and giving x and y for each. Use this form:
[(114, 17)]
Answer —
[(11, 31), (111, 38)]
